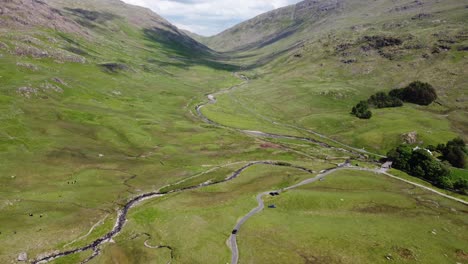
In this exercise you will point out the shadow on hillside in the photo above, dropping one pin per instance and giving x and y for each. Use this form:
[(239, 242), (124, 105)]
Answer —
[(259, 59), (185, 51), (89, 18), (271, 39)]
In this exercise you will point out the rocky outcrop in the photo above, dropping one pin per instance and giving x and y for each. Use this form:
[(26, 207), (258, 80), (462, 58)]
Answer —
[(33, 13), (410, 138)]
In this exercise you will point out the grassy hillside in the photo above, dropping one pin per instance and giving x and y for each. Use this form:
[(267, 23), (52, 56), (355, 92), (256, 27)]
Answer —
[(97, 104), (96, 108), (342, 53)]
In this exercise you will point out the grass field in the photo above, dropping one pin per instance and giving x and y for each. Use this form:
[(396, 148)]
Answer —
[(197, 222), (351, 217), (356, 217), (79, 139), (314, 85)]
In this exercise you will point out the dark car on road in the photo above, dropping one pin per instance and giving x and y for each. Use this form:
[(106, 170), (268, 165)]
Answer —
[(234, 231)]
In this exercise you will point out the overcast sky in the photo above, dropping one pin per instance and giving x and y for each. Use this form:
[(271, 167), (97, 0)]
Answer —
[(208, 17)]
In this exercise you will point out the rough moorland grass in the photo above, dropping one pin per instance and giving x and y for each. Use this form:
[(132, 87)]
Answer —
[(116, 135), (329, 113), (356, 217), (316, 90), (197, 223), (457, 173)]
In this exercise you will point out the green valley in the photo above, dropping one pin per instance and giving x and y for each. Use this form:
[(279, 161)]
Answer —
[(124, 139)]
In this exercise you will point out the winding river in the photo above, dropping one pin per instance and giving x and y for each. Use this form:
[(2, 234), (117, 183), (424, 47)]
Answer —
[(122, 214)]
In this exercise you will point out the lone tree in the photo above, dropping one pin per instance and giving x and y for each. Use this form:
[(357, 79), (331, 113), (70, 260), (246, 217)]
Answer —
[(362, 111), (416, 92)]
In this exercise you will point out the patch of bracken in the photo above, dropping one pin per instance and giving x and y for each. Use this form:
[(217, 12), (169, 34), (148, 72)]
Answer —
[(378, 42), (113, 67)]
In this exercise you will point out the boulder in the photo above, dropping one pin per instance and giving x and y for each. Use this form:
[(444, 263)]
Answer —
[(23, 256), (410, 138)]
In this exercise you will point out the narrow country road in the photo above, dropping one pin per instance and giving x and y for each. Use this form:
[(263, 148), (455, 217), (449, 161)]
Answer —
[(261, 205), (346, 166), (123, 213), (212, 100)]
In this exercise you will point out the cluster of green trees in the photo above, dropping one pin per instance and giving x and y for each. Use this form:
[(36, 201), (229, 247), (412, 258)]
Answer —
[(422, 164), (362, 111), (416, 92), (383, 100), (454, 152)]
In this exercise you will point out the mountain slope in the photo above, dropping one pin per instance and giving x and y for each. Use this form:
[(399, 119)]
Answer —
[(307, 19), (312, 62), (96, 13), (93, 109)]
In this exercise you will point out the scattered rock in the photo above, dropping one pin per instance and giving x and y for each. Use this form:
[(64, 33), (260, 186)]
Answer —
[(23, 256), (421, 16), (343, 47), (48, 86), (434, 232), (409, 6), (59, 55), (60, 81), (366, 48), (26, 91), (410, 138), (29, 40), (3, 46), (389, 257), (26, 50), (28, 66), (348, 61), (116, 93)]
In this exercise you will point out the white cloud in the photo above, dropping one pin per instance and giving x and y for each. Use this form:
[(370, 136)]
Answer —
[(208, 17)]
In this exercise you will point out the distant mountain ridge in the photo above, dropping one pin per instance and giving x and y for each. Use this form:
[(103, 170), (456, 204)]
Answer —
[(307, 18)]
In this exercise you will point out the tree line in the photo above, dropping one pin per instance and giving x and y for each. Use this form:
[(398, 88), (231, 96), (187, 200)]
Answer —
[(424, 164), (416, 92)]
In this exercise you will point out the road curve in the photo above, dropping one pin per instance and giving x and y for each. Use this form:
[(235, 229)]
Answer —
[(261, 205), (233, 237), (212, 100), (122, 214)]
